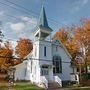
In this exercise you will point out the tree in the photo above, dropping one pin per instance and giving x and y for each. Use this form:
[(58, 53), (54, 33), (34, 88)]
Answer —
[(82, 38), (67, 40), (24, 47), (6, 54), (62, 35)]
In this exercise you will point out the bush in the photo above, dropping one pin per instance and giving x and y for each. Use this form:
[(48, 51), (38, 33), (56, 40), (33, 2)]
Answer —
[(68, 83), (86, 75)]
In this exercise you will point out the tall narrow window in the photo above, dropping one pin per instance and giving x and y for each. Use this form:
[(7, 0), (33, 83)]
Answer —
[(56, 48), (45, 51), (31, 67), (35, 51), (57, 64)]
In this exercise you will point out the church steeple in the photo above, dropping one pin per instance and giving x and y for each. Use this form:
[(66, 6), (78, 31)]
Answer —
[(43, 19), (42, 29)]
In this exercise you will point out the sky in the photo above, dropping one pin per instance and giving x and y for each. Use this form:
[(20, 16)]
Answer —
[(19, 17)]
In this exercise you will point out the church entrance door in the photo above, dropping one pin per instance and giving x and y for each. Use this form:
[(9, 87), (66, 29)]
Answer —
[(45, 72)]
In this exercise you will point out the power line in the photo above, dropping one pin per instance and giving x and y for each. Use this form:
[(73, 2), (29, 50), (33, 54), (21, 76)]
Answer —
[(11, 57), (10, 14), (15, 8), (34, 13), (21, 7), (25, 13)]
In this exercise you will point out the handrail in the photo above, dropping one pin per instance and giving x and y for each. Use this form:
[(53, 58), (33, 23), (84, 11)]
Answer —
[(58, 80), (44, 81)]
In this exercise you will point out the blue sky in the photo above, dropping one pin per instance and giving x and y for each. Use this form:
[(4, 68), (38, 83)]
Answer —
[(20, 21)]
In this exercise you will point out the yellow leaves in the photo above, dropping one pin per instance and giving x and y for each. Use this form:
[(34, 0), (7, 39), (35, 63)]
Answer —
[(86, 25), (80, 39), (61, 34), (24, 47), (69, 43), (5, 52), (82, 36)]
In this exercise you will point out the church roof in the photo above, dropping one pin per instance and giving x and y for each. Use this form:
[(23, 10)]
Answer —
[(43, 18), (57, 42), (43, 23)]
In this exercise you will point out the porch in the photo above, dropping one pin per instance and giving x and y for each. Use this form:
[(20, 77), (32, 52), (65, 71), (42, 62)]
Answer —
[(47, 77)]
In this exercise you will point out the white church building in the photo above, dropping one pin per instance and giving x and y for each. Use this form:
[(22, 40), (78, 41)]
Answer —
[(49, 60)]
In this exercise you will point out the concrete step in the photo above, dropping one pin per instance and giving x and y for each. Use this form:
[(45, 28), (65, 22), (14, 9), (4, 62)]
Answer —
[(53, 85)]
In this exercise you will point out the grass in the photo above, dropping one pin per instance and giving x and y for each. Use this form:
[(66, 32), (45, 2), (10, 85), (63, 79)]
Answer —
[(20, 86), (29, 86), (81, 89)]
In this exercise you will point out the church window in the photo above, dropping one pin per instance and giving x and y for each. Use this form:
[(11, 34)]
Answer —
[(25, 71), (45, 51), (35, 69), (31, 67), (57, 65), (56, 48), (35, 51)]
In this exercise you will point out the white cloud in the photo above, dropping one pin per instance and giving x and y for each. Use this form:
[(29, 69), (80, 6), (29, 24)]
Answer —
[(25, 35), (77, 5), (22, 35), (26, 23), (84, 2), (24, 28), (29, 20), (2, 13), (17, 27)]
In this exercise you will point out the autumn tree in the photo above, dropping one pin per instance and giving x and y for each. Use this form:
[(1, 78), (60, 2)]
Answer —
[(6, 54), (64, 35), (82, 38), (24, 47)]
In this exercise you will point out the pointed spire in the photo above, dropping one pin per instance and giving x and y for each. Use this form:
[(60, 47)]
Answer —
[(43, 19)]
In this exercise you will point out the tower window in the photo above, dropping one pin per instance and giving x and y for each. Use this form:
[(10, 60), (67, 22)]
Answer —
[(45, 51), (35, 51), (56, 48)]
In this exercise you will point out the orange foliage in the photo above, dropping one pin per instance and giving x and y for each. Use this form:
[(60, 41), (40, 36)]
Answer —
[(5, 52), (69, 43), (62, 35), (82, 38), (86, 25), (24, 47)]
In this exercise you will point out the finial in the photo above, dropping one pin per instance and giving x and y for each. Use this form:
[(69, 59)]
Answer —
[(42, 3)]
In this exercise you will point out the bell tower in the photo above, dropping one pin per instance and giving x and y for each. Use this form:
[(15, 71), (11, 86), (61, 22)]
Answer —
[(42, 48), (42, 30)]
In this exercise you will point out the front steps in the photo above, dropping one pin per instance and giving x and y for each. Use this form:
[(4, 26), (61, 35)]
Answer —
[(53, 86)]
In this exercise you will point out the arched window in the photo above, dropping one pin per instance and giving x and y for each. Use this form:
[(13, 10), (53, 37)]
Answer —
[(57, 64)]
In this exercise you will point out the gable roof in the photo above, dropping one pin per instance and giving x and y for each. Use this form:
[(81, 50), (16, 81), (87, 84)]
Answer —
[(57, 42)]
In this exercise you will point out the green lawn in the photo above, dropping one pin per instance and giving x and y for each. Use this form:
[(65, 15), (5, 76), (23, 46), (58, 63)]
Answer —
[(81, 89), (20, 86)]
